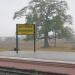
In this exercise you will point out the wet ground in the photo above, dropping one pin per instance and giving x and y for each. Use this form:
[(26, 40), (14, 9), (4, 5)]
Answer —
[(46, 55)]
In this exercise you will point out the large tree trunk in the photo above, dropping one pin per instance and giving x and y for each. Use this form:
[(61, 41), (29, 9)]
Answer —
[(55, 39), (46, 44)]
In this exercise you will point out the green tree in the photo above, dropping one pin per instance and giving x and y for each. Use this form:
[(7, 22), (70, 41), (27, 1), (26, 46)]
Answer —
[(50, 15), (66, 33)]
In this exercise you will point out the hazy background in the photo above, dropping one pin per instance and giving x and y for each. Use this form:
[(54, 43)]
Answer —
[(7, 9)]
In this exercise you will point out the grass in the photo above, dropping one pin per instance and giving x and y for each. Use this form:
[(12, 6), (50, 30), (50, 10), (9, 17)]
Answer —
[(57, 49), (29, 45), (3, 49), (42, 49)]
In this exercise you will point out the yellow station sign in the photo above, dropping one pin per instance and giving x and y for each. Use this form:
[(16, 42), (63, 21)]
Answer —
[(25, 29)]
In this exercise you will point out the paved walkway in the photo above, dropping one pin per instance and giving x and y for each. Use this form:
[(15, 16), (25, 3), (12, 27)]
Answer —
[(46, 55)]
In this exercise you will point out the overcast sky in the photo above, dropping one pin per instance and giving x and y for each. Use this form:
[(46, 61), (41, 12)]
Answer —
[(7, 9)]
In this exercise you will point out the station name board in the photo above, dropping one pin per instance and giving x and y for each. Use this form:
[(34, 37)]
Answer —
[(25, 29)]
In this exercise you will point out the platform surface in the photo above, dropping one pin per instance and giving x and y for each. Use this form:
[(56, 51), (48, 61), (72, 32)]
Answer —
[(46, 55)]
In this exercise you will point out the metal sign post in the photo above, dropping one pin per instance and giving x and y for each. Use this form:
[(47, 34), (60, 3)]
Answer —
[(25, 29), (16, 49), (17, 44), (34, 40)]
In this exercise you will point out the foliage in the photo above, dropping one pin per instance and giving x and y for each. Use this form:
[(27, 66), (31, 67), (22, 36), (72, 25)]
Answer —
[(67, 33), (50, 15)]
